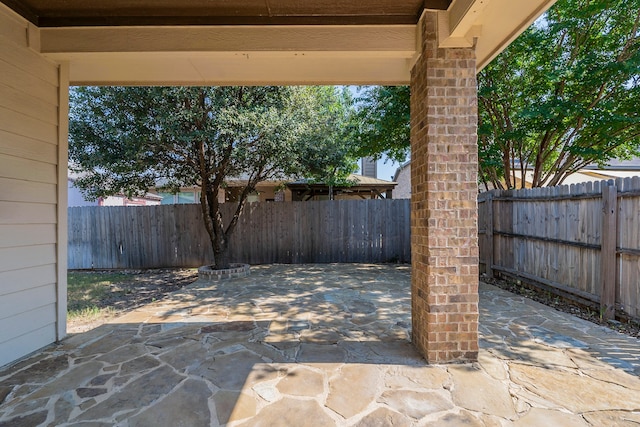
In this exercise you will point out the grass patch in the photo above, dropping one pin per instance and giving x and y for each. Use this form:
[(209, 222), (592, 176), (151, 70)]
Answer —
[(87, 293), (94, 297)]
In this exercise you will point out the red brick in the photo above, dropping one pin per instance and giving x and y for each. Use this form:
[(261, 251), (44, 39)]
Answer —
[(444, 208)]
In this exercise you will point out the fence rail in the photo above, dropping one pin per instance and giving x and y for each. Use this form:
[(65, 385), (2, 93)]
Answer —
[(581, 239), (292, 232)]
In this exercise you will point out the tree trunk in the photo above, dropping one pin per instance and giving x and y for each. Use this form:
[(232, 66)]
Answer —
[(221, 254), (214, 225)]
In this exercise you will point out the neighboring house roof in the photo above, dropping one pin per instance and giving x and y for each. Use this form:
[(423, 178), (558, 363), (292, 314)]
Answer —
[(362, 187), (72, 177), (591, 173), (613, 170), (367, 180), (244, 182), (149, 196), (400, 169), (619, 165), (230, 183), (358, 180), (611, 174), (233, 182), (584, 175)]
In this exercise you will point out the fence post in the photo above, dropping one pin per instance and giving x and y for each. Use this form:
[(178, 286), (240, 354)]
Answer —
[(489, 231), (608, 252)]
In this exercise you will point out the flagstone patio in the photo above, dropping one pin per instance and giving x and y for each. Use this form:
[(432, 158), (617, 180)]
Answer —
[(323, 345)]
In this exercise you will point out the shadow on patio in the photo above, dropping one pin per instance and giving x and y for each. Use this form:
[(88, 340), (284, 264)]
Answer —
[(322, 345)]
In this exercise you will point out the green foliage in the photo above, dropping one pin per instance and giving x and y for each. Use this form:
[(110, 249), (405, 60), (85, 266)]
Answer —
[(563, 95), (327, 154), (382, 123), (127, 139)]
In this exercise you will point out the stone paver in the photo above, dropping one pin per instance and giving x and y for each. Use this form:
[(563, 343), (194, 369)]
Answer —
[(323, 345), (475, 390)]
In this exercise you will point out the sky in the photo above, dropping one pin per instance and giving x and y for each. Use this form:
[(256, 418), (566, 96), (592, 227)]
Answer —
[(387, 170)]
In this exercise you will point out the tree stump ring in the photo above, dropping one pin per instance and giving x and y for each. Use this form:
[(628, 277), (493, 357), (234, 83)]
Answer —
[(208, 272)]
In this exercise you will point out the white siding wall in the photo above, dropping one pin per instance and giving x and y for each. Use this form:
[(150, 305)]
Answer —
[(29, 134)]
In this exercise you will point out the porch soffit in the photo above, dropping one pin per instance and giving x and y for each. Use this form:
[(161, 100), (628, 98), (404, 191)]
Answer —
[(65, 13), (261, 41)]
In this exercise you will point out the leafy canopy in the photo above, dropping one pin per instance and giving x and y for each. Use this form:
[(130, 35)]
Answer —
[(129, 139), (383, 123), (328, 154), (563, 95)]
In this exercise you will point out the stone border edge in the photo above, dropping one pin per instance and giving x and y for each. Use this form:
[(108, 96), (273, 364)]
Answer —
[(207, 272)]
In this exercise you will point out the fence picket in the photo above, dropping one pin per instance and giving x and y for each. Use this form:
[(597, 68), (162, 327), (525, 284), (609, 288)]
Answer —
[(557, 234), (287, 232)]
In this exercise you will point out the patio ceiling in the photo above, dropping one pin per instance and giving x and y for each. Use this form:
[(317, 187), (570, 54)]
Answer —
[(63, 13), (219, 42)]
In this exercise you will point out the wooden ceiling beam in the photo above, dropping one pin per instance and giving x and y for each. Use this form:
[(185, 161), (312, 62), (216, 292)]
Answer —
[(458, 25), (335, 38)]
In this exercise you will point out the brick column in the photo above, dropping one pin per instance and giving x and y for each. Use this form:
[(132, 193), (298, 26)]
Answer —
[(444, 212)]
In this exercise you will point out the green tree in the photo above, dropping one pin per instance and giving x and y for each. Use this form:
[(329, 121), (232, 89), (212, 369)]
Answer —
[(382, 123), (126, 139), (327, 156), (563, 95)]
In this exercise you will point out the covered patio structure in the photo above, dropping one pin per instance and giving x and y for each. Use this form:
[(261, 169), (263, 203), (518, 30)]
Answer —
[(436, 46), (359, 188)]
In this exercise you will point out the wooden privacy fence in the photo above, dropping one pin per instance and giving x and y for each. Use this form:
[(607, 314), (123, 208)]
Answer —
[(582, 240), (290, 232)]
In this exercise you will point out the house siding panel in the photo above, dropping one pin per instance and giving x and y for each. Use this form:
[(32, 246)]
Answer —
[(24, 322), (27, 256), (27, 213), (17, 101), (27, 170), (29, 62), (22, 147), (16, 303), (27, 83), (27, 235), (403, 178), (12, 27), (29, 137), (16, 280), (15, 190), (28, 126), (21, 345), (30, 85)]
